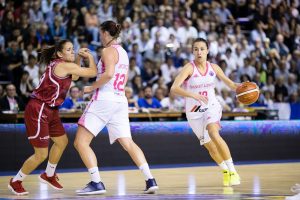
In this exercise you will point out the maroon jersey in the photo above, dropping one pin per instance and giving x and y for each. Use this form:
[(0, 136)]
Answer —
[(52, 89)]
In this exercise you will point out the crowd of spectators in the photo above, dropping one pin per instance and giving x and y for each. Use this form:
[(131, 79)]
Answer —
[(251, 40)]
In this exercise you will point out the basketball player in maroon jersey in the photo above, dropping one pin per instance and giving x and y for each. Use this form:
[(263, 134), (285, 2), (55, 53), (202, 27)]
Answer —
[(203, 110), (41, 114)]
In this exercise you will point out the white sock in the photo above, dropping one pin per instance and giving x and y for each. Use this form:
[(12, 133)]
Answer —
[(146, 171), (95, 175), (19, 177), (50, 169), (223, 165), (230, 165)]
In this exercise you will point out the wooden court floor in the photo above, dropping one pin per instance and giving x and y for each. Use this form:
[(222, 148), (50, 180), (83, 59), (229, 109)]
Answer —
[(259, 181)]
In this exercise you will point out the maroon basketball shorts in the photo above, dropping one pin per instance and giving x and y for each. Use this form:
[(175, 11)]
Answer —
[(42, 122)]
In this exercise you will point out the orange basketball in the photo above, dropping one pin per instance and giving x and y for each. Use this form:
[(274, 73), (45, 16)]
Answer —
[(247, 93)]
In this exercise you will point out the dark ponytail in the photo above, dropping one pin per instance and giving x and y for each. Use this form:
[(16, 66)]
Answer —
[(112, 27), (50, 53)]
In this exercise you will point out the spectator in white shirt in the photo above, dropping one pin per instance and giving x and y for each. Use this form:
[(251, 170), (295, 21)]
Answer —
[(33, 69), (161, 29), (172, 103), (230, 59), (168, 70)]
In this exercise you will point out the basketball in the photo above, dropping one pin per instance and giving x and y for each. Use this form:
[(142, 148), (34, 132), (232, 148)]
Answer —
[(247, 93)]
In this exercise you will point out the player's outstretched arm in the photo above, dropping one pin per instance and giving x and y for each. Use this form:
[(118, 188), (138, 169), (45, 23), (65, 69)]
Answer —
[(74, 69)]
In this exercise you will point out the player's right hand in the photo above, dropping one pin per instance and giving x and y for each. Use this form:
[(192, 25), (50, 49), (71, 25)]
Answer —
[(84, 52), (200, 98)]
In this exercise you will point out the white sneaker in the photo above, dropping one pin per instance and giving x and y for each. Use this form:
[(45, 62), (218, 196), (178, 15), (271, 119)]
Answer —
[(296, 188), (295, 197)]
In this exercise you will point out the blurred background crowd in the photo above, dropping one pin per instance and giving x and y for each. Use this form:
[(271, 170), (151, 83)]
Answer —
[(251, 40)]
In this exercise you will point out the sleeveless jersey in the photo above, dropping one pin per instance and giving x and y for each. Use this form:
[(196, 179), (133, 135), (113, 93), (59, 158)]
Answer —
[(113, 90), (203, 84), (52, 89)]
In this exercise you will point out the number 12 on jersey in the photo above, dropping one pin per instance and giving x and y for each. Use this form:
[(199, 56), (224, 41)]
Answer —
[(119, 82)]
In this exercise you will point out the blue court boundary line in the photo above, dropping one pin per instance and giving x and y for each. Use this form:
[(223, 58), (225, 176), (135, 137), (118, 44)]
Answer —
[(161, 166)]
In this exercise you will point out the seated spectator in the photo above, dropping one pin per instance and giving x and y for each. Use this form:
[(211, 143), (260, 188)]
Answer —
[(135, 53), (26, 87), (279, 45), (10, 101), (281, 91), (155, 55), (57, 30), (168, 70), (132, 103), (33, 69), (14, 60), (177, 59), (133, 70), (71, 103), (91, 23), (159, 94), (1, 91), (268, 99), (172, 103), (227, 98), (137, 84), (27, 52), (221, 100), (149, 101)]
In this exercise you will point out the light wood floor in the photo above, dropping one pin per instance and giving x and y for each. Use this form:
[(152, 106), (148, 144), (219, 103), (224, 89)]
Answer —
[(259, 181)]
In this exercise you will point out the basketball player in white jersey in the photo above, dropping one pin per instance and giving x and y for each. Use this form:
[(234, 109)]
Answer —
[(109, 107), (203, 110)]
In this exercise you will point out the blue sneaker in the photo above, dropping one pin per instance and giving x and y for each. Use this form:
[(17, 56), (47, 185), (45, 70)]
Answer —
[(92, 188), (151, 186)]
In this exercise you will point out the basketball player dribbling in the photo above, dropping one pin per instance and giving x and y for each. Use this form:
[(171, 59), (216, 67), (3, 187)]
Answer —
[(203, 110), (109, 107), (42, 116)]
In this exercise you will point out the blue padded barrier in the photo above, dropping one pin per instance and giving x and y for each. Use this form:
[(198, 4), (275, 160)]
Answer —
[(166, 143)]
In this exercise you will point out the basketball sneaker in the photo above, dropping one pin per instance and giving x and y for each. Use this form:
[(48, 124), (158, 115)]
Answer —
[(52, 181), (92, 188), (234, 178), (226, 178), (151, 186), (295, 197), (16, 187), (296, 188)]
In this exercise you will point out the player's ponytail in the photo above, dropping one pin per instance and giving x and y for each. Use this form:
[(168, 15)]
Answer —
[(112, 27), (50, 53)]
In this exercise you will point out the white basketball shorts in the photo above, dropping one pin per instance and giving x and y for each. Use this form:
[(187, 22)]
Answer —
[(199, 121), (113, 115)]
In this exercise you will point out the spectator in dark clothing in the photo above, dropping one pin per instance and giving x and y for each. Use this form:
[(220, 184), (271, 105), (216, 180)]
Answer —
[(10, 101), (14, 59), (281, 90)]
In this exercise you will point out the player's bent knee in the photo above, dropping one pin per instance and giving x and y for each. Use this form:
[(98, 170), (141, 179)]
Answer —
[(41, 156), (76, 145), (215, 137), (126, 144)]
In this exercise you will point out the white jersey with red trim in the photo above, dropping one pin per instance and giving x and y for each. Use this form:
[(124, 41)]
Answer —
[(113, 90), (203, 84)]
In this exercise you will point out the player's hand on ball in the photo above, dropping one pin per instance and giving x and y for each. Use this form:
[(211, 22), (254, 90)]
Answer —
[(88, 89)]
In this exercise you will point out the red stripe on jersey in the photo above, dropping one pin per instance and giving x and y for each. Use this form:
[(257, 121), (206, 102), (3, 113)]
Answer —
[(194, 108)]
